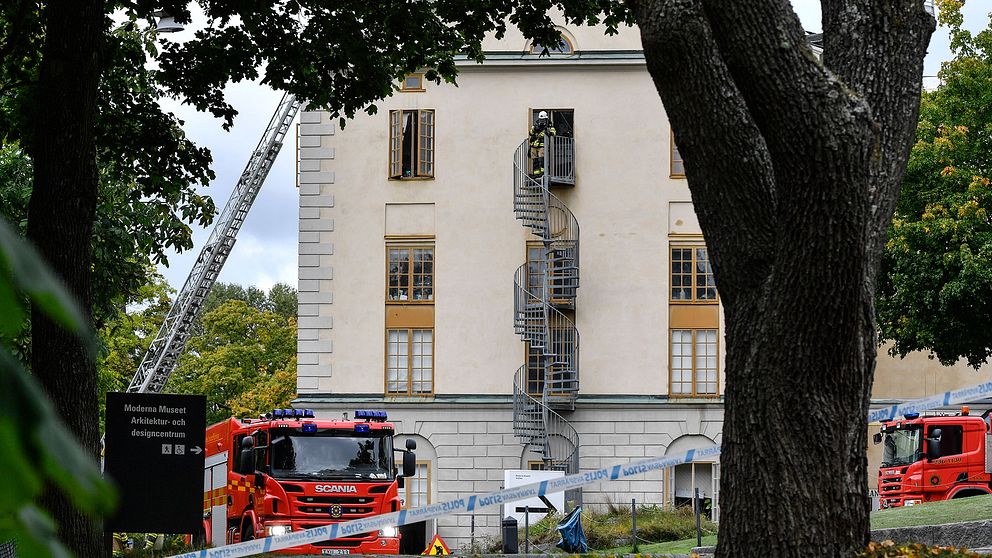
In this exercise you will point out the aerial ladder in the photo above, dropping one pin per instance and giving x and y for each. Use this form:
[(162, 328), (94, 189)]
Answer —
[(168, 345)]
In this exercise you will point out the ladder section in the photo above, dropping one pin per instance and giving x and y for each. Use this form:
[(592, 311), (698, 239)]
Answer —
[(543, 295), (169, 342)]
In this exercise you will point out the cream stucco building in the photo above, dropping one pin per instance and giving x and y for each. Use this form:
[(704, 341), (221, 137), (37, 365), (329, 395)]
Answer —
[(440, 281)]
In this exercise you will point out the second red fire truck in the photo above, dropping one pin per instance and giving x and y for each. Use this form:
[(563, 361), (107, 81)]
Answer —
[(288, 471), (934, 458)]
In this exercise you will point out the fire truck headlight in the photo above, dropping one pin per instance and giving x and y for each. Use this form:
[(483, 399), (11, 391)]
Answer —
[(911, 502), (276, 530), (387, 532)]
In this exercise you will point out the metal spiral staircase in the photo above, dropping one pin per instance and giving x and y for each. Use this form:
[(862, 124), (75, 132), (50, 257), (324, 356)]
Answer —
[(544, 293)]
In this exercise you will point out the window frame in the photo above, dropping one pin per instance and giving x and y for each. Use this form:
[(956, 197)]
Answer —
[(409, 362), (422, 142), (410, 275), (693, 275), (406, 486), (673, 150), (420, 76), (694, 391)]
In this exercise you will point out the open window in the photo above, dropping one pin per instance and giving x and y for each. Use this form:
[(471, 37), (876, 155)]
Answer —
[(562, 120), (677, 165), (411, 144)]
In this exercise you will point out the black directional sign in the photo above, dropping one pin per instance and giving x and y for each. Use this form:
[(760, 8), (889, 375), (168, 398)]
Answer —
[(154, 453)]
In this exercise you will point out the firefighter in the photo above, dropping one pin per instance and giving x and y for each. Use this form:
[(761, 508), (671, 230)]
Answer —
[(120, 544), (536, 139)]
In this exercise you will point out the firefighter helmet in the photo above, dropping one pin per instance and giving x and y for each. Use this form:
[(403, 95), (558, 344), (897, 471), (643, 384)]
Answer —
[(543, 115)]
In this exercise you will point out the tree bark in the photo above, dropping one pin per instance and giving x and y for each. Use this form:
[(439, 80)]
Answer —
[(60, 223), (794, 166)]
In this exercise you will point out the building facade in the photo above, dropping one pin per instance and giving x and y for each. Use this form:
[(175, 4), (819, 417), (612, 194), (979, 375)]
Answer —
[(446, 277)]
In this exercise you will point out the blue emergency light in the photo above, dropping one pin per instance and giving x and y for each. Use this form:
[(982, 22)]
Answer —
[(375, 416), (309, 428), (912, 416), (362, 427), (277, 413), (288, 413), (298, 413), (308, 413)]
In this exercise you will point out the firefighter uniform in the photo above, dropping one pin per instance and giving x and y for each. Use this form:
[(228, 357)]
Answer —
[(536, 140)]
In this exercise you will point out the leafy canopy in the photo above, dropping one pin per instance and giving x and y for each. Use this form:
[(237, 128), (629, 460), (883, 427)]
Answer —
[(345, 55), (148, 168), (243, 359), (936, 289)]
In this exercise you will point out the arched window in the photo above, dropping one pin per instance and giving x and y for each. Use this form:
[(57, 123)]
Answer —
[(564, 48)]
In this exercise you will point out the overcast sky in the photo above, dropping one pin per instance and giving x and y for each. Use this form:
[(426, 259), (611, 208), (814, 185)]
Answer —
[(265, 252)]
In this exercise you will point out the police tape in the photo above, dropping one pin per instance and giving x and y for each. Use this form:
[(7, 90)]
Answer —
[(470, 504), (954, 397)]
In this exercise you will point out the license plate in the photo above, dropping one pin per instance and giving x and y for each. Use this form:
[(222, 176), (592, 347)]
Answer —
[(335, 551)]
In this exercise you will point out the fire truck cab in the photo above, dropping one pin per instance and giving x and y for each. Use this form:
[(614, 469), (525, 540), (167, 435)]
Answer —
[(288, 471), (933, 458)]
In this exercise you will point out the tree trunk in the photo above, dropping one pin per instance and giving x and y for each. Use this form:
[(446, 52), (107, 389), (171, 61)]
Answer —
[(60, 223), (794, 166)]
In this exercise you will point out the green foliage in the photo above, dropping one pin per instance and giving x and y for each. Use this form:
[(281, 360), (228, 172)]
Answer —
[(35, 447), (125, 337), (346, 55), (243, 356), (935, 291), (914, 550)]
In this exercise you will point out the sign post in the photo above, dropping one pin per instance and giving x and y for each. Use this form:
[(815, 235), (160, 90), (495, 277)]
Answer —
[(154, 450), (532, 508)]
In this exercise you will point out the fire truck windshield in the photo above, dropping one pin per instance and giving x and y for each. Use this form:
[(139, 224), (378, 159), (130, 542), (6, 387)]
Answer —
[(330, 454), (902, 447)]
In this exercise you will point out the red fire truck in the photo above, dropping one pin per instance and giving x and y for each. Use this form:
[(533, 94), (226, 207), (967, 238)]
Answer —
[(287, 471), (931, 458)]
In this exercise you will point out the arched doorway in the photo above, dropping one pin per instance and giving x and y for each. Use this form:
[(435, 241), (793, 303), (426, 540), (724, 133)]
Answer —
[(682, 481)]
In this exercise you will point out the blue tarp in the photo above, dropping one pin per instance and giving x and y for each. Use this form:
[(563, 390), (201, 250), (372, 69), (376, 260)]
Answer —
[(573, 539)]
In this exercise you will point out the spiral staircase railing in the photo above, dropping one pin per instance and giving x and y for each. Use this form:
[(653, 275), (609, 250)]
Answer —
[(541, 293)]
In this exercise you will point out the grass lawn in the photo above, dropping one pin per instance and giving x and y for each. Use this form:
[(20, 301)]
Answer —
[(933, 513)]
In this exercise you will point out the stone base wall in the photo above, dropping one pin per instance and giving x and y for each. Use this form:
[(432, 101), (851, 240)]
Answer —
[(469, 446)]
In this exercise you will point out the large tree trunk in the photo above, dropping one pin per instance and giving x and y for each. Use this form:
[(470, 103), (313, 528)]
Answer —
[(794, 166), (60, 222)]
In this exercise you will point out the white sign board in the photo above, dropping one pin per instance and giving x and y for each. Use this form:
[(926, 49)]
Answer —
[(538, 508)]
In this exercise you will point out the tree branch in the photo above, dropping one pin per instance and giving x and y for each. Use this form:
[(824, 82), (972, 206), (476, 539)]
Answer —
[(798, 106), (867, 39), (699, 94)]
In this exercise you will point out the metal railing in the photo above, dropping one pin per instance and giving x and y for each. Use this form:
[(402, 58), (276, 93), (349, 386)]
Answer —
[(560, 159), (542, 429), (545, 327)]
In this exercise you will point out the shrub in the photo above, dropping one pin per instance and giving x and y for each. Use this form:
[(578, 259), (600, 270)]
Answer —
[(887, 549)]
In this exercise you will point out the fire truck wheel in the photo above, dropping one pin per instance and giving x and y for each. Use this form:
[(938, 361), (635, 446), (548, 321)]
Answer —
[(247, 532)]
